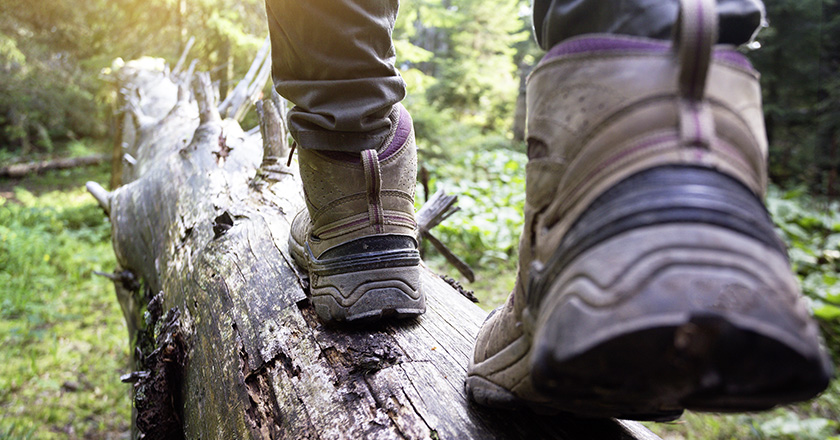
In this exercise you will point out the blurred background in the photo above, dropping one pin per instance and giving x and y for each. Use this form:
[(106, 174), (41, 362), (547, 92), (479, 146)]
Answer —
[(63, 341)]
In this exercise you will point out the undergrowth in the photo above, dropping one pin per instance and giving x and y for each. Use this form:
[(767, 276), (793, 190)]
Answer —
[(490, 185), (63, 343)]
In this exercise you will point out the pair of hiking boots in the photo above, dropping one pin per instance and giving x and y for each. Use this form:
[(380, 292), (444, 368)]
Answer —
[(650, 276)]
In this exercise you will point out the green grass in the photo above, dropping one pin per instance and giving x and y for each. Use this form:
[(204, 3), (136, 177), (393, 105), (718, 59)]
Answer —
[(63, 343)]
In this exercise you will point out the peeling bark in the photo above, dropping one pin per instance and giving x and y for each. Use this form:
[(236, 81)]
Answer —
[(253, 360)]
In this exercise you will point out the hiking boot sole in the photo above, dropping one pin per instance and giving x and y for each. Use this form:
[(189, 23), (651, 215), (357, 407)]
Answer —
[(685, 317), (363, 286)]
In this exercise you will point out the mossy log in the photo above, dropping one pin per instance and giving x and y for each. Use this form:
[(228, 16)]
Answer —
[(227, 344)]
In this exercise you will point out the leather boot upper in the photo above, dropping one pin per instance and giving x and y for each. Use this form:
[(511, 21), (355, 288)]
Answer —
[(604, 107), (350, 196)]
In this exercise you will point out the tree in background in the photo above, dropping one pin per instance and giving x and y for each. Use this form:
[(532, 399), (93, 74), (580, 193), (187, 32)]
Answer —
[(460, 59), (461, 62), (800, 65), (44, 90)]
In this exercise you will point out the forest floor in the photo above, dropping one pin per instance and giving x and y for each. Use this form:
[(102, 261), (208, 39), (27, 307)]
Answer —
[(63, 343)]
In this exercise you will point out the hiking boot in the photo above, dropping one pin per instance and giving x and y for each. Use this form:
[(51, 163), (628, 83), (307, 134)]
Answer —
[(650, 276), (356, 236)]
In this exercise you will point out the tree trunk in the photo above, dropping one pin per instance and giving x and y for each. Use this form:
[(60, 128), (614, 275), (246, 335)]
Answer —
[(230, 347)]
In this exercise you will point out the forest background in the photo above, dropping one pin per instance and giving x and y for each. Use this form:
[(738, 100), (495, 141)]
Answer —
[(62, 339)]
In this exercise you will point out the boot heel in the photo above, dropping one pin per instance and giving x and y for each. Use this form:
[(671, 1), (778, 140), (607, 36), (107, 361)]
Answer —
[(685, 300), (360, 286)]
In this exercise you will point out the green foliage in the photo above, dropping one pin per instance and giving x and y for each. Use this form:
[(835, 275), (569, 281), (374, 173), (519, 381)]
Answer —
[(790, 427), (490, 184), (817, 419), (474, 46), (62, 336), (43, 97), (477, 76), (51, 54), (812, 233)]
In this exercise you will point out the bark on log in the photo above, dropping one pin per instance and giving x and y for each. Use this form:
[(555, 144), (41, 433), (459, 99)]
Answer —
[(229, 346)]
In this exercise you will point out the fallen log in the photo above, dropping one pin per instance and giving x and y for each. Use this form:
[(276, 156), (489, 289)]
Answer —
[(226, 343), (23, 169)]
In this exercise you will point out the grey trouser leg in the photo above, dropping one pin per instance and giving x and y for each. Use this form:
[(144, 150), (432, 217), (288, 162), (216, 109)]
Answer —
[(557, 20), (334, 60)]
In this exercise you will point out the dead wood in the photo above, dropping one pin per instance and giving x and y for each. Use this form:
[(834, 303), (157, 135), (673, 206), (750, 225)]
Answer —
[(437, 209)]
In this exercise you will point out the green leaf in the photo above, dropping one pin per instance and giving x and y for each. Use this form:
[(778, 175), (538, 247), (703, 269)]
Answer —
[(827, 312)]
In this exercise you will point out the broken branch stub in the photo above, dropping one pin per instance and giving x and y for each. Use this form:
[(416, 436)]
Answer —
[(176, 71), (437, 209), (204, 97), (237, 103)]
